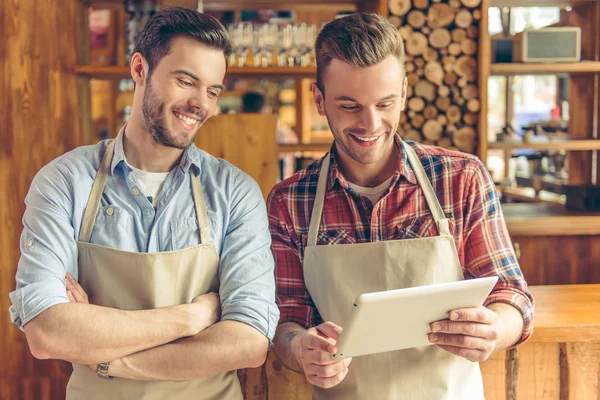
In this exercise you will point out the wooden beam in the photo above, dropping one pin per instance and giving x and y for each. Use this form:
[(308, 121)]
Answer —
[(374, 6), (583, 92), (484, 59)]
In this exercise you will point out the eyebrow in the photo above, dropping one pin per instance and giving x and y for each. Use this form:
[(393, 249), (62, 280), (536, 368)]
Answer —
[(194, 77), (346, 98)]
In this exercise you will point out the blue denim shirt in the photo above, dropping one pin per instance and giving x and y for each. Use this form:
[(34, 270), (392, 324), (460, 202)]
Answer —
[(236, 213)]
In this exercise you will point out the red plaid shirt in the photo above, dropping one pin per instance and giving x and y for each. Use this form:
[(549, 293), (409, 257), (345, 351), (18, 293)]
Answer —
[(466, 194)]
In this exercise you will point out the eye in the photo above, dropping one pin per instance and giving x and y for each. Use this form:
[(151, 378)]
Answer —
[(184, 83), (385, 105), (213, 94), (349, 108)]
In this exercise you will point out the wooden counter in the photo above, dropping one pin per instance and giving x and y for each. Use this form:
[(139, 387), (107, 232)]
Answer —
[(548, 220), (566, 313), (560, 361), (562, 358)]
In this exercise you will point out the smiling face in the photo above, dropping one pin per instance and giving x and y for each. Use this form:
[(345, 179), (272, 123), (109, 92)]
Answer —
[(363, 106), (181, 92)]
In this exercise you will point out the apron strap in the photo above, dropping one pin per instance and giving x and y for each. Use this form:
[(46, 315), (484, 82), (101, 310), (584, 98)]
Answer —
[(315, 218), (200, 205), (432, 201), (93, 203)]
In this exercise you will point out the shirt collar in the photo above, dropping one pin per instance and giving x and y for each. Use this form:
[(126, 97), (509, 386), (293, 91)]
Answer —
[(403, 168), (191, 155)]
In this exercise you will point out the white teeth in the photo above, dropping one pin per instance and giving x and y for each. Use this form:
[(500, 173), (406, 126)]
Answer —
[(186, 120), (367, 139)]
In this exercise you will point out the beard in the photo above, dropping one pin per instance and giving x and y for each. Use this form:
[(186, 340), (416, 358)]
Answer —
[(154, 121)]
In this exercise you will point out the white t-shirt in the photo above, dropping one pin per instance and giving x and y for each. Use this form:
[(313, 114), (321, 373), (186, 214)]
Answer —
[(149, 182), (373, 194)]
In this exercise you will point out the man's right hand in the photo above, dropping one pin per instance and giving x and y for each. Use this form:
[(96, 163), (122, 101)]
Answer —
[(314, 349), (207, 309)]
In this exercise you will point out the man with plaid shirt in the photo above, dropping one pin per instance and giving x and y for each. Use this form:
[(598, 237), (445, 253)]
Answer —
[(379, 213)]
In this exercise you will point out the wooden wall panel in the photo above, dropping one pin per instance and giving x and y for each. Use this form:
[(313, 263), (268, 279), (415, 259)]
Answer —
[(539, 371), (245, 140), (39, 117), (555, 260), (583, 370), (493, 372)]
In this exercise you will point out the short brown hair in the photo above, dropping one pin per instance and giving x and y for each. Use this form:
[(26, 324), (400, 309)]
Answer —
[(154, 41), (360, 39)]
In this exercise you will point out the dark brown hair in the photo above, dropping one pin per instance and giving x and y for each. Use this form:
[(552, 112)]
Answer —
[(154, 41), (360, 39)]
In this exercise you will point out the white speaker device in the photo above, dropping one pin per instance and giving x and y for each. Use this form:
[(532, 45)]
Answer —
[(547, 45)]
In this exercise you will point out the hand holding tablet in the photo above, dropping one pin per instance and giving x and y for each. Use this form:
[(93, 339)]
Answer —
[(401, 319)]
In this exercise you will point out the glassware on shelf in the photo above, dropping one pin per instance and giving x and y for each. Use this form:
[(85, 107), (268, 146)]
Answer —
[(266, 45), (139, 13)]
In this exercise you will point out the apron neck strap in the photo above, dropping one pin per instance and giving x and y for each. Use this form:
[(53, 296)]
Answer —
[(432, 201), (200, 205), (93, 203), (315, 218)]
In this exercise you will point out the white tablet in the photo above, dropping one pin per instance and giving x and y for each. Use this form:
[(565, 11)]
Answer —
[(401, 319)]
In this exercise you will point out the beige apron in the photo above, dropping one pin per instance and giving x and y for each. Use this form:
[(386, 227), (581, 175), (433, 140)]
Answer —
[(336, 274), (139, 281)]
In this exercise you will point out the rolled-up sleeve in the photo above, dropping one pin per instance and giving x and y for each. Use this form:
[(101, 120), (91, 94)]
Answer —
[(488, 248), (48, 248), (246, 274)]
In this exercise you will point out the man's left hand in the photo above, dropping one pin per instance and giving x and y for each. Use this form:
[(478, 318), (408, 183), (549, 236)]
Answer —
[(470, 333)]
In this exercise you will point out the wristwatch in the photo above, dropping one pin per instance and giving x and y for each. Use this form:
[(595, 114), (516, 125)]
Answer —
[(103, 370)]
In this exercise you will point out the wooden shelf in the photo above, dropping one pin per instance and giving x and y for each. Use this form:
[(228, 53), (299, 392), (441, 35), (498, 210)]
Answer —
[(583, 67), (539, 3), (240, 5), (317, 147), (280, 72), (529, 195), (123, 72), (570, 145), (537, 219)]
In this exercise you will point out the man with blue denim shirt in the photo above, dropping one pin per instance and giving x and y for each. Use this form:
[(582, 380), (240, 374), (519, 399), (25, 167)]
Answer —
[(151, 265)]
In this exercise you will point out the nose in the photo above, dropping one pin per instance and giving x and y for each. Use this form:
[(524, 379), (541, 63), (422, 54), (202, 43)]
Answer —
[(200, 101), (370, 120)]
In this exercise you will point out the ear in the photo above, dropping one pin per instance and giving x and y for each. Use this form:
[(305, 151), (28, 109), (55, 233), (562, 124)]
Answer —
[(319, 99), (138, 69), (404, 93)]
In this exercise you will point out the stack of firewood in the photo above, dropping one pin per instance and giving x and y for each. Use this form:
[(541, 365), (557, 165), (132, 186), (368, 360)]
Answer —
[(440, 37)]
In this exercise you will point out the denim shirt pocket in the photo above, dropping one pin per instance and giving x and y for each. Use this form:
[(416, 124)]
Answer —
[(111, 222), (184, 233)]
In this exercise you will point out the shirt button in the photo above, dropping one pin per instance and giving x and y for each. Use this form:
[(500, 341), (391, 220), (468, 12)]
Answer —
[(136, 191), (110, 211), (29, 243)]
